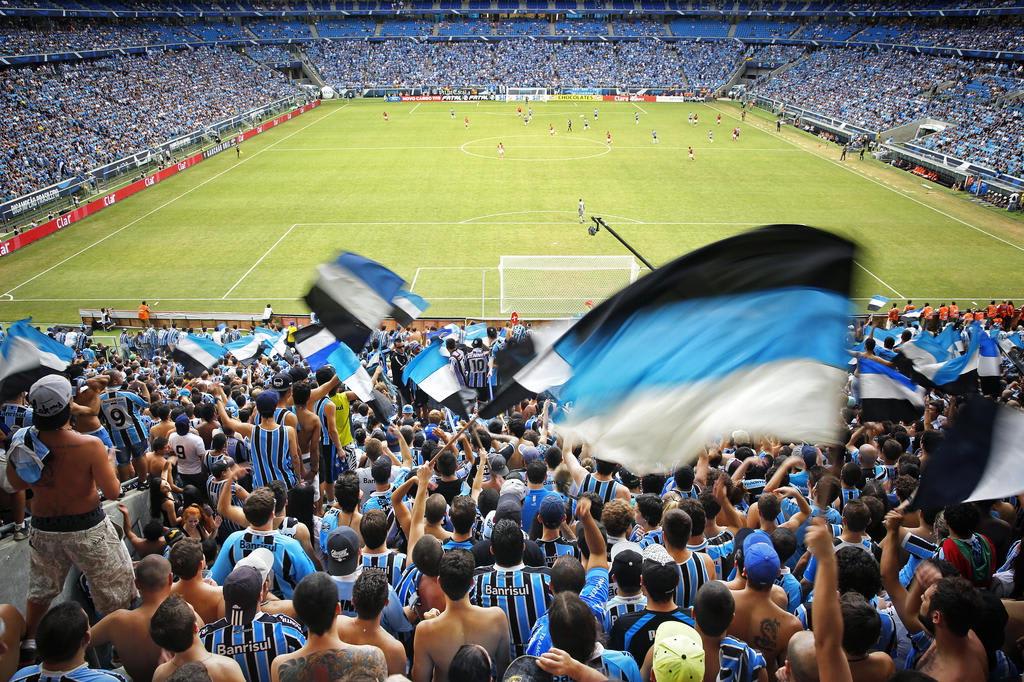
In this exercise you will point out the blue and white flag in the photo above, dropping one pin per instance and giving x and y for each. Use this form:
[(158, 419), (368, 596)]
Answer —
[(925, 349), (431, 371), (275, 341), (649, 391), (880, 335), (474, 332), (956, 376), (197, 355), (247, 349), (27, 354), (979, 459), (407, 306), (887, 395), (351, 296), (450, 329), (877, 302), (319, 347), (989, 366)]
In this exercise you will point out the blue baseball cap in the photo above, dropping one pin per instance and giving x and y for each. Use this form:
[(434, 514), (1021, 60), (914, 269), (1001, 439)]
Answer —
[(760, 560), (552, 509)]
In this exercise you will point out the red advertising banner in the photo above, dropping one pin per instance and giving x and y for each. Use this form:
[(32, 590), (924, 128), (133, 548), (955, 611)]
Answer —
[(629, 98), (96, 205)]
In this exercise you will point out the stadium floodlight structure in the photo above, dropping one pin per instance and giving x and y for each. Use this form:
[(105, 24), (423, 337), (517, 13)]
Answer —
[(561, 286)]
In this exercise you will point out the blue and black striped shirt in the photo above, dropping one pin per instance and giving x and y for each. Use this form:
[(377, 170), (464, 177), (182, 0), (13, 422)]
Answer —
[(255, 645)]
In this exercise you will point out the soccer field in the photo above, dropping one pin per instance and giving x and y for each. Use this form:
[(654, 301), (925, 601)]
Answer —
[(429, 197)]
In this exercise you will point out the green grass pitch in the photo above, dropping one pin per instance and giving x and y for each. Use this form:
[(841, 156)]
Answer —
[(429, 197)]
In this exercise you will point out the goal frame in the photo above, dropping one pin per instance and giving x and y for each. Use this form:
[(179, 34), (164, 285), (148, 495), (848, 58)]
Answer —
[(560, 263)]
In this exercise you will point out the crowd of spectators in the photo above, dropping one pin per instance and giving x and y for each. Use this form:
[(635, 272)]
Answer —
[(63, 119), (65, 36), (288, 529), (698, 65), (774, 55)]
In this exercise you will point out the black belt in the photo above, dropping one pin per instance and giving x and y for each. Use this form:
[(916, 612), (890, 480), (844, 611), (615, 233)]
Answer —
[(70, 523)]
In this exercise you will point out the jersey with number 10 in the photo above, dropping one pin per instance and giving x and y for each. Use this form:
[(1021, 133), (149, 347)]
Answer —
[(476, 367), (122, 412)]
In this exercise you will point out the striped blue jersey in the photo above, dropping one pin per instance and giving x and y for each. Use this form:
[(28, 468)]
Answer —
[(254, 645), (271, 457), (634, 632), (291, 563), (390, 563), (522, 593), (476, 363), (213, 490), (378, 500), (15, 417), (605, 489), (738, 662), (560, 546), (320, 408), (693, 575), (122, 414), (408, 584), (847, 495), (458, 544), (670, 486), (83, 673), (653, 537), (718, 554), (619, 606), (594, 594)]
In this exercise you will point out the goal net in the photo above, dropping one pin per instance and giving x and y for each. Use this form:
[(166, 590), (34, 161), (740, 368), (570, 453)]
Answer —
[(526, 94), (561, 286)]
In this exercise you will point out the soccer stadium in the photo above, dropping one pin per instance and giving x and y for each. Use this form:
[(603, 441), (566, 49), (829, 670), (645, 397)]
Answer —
[(547, 340)]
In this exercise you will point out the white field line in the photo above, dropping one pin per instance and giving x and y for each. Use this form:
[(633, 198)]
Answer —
[(531, 222), (642, 110), (259, 260), (903, 194), (660, 147), (415, 107), (171, 201), (416, 276), (882, 281)]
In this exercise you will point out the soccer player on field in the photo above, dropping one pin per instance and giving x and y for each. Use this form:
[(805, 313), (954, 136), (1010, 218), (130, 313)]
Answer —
[(689, 150), (586, 124), (386, 116), (608, 137), (451, 112), (466, 121), (595, 114), (519, 111), (570, 126), (551, 129), (501, 150), (711, 136), (636, 118), (654, 137), (718, 120), (580, 210)]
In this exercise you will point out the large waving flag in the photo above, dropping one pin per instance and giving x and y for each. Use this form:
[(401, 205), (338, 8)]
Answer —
[(474, 332), (318, 347), (957, 375), (887, 395), (925, 349), (980, 458), (247, 349), (26, 355), (351, 296), (407, 306), (275, 341), (747, 333), (197, 354), (877, 302), (431, 371), (527, 367)]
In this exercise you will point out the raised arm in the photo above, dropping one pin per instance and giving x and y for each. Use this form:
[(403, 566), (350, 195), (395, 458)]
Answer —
[(417, 525), (782, 473), (731, 517), (227, 510), (127, 527), (402, 516), (226, 419), (576, 470), (323, 391), (890, 568), (805, 509), (592, 534), (825, 611), (407, 460)]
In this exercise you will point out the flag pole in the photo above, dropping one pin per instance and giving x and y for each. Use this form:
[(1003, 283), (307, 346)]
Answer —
[(599, 223)]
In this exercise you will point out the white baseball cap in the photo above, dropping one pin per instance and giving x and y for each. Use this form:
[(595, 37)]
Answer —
[(50, 395)]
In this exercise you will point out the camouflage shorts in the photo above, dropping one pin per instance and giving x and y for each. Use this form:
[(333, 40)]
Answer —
[(98, 552)]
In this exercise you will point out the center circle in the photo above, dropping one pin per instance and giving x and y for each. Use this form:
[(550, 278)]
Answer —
[(535, 144)]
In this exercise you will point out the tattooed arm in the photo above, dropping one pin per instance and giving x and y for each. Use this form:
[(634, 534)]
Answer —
[(335, 664)]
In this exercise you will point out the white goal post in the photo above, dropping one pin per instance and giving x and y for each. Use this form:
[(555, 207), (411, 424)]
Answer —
[(513, 94), (561, 286)]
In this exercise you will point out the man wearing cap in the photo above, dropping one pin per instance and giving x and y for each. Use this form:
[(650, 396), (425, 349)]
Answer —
[(344, 565), (122, 412), (676, 656), (551, 514), (759, 621), (627, 560), (659, 578), (189, 448), (64, 469), (275, 454), (290, 561), (245, 633)]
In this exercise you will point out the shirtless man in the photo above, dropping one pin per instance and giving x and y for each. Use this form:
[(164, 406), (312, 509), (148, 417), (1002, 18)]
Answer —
[(124, 628), (324, 655), (437, 640), (937, 612), (369, 597), (86, 409), (155, 462), (68, 525), (175, 628), (308, 433), (188, 562), (165, 426), (759, 621)]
